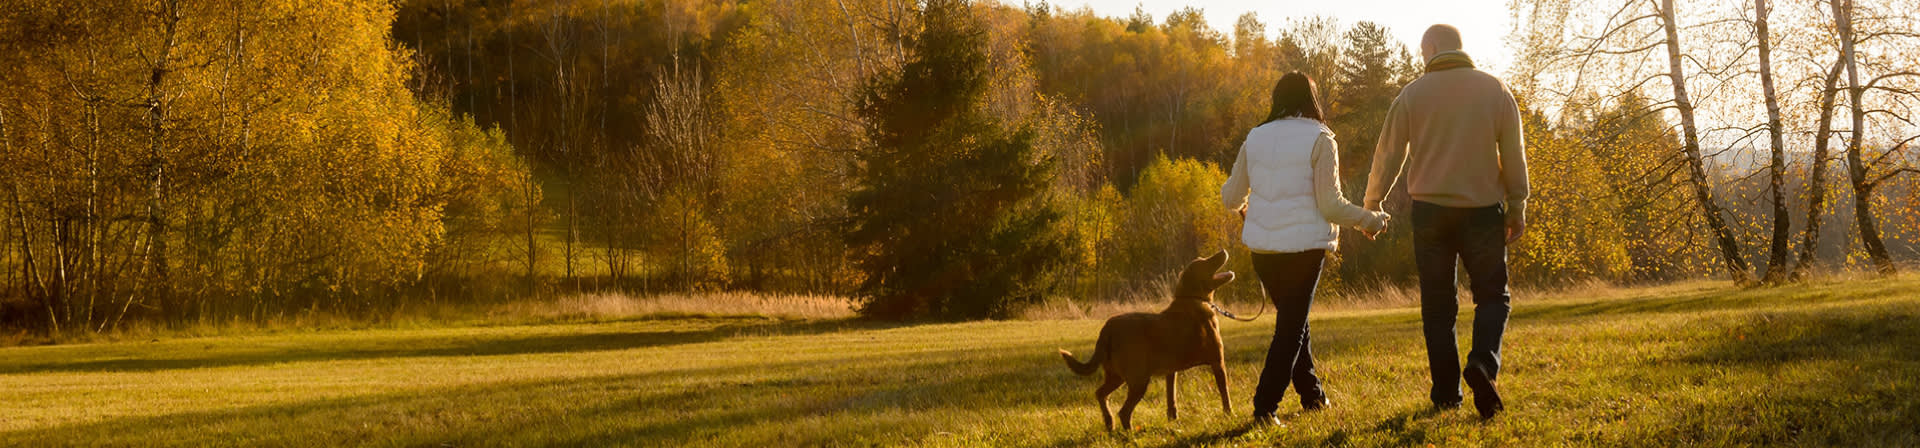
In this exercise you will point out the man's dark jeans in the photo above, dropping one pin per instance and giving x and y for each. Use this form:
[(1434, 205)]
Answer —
[(1476, 237), (1289, 279)]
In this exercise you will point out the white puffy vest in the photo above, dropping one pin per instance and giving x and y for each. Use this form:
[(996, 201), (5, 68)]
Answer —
[(1281, 213)]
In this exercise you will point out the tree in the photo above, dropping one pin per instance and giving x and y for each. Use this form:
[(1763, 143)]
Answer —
[(682, 169), (1579, 233), (1816, 196), (205, 159), (1372, 67), (949, 216), (1736, 265), (1627, 36), (1776, 171), (1634, 148), (1140, 21), (1860, 170), (160, 64)]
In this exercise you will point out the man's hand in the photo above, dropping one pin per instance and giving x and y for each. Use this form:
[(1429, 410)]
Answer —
[(1514, 230), (1385, 219), (1243, 212)]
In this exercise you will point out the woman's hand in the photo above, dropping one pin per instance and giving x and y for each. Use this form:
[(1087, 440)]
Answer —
[(1375, 233)]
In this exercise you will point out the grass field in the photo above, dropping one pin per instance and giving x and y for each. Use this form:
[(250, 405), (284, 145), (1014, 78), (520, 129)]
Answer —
[(1701, 363)]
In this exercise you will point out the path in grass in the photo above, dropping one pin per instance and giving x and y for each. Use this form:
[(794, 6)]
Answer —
[(1821, 364)]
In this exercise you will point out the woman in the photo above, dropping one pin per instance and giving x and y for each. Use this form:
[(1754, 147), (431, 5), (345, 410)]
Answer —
[(1292, 220)]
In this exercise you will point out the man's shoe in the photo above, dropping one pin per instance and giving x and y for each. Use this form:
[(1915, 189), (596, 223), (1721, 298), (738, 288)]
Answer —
[(1485, 398), (1447, 406), (1315, 404), (1267, 421)]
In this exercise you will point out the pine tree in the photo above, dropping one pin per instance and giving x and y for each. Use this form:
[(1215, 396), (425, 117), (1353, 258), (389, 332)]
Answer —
[(951, 215)]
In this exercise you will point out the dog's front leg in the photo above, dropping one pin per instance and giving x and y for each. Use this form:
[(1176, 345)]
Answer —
[(1173, 412), (1220, 382)]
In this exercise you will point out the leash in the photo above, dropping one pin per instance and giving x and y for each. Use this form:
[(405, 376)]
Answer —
[(1229, 314)]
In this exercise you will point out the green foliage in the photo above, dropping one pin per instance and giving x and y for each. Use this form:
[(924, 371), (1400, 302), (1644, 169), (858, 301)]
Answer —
[(950, 216)]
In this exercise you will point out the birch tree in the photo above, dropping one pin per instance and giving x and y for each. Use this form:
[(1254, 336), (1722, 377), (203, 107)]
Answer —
[(1861, 171), (1776, 171)]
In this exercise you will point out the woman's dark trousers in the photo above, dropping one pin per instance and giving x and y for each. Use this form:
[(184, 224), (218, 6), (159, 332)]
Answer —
[(1289, 279)]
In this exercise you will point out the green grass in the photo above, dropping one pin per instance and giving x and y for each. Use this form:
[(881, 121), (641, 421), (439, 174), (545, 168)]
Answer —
[(1823, 364)]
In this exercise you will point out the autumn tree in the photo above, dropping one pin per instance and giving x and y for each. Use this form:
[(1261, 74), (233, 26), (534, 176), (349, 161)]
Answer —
[(1776, 148), (1631, 32), (228, 162), (1864, 170)]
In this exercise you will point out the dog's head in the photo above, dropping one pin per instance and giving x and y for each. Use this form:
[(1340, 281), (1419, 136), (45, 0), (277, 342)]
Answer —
[(1202, 276)]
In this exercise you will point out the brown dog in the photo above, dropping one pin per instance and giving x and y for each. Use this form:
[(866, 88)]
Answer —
[(1136, 347)]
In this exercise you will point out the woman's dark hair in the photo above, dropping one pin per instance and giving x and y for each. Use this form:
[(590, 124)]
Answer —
[(1295, 96)]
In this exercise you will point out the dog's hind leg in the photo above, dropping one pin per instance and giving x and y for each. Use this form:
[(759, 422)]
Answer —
[(1106, 389), (1136, 389), (1220, 382), (1173, 412)]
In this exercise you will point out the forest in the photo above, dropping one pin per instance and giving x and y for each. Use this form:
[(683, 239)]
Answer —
[(179, 161)]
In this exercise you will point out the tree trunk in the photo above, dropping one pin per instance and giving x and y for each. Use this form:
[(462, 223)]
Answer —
[(513, 121), (1856, 167), (1817, 175), (30, 277), (615, 266), (563, 125), (1729, 247), (91, 222), (1782, 224), (156, 258)]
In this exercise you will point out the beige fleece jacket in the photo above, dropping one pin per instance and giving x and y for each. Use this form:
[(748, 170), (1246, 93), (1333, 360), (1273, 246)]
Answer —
[(1458, 134)]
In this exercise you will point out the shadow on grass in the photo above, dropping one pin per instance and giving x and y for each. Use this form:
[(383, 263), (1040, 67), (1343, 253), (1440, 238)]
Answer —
[(1215, 436), (1720, 299), (1400, 428), (1863, 392), (439, 346), (852, 400)]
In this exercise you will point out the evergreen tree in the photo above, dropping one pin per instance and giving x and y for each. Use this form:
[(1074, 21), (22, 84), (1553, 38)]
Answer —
[(951, 216), (1369, 77)]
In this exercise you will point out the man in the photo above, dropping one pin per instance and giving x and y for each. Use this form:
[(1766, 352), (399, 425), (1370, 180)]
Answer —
[(1457, 130)]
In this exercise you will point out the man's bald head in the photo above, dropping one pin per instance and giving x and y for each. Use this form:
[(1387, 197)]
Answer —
[(1439, 38)]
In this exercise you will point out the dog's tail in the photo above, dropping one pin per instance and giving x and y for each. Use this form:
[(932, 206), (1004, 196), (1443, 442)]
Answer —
[(1093, 364)]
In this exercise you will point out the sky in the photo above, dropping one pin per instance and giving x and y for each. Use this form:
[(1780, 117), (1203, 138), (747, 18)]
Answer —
[(1483, 24)]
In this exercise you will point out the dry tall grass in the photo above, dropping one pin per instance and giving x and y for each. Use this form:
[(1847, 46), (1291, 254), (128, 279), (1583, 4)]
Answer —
[(614, 306), (609, 306), (1370, 298)]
